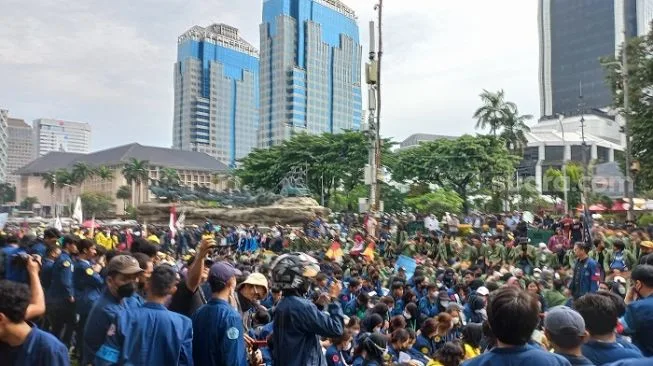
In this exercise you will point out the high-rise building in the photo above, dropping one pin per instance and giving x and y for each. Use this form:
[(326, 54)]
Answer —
[(20, 147), (310, 76), (57, 135), (216, 93), (574, 35), (4, 116)]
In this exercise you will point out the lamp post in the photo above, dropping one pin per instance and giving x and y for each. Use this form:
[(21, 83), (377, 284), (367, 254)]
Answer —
[(630, 184), (564, 164)]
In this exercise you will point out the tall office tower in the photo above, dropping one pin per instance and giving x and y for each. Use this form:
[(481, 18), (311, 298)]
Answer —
[(574, 35), (57, 135), (4, 116), (216, 93), (20, 147), (310, 76)]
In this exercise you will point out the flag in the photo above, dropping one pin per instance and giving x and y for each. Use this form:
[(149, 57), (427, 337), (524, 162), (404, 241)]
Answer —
[(180, 221), (93, 227), (57, 224), (587, 227), (171, 224), (77, 213)]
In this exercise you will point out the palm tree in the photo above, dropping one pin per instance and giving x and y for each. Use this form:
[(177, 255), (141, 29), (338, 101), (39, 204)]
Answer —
[(169, 177), (50, 182), (104, 173), (494, 111), (124, 193), (136, 172), (514, 131), (81, 172)]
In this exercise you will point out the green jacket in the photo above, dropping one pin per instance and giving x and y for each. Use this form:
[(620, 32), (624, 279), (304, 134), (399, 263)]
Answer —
[(445, 252), (468, 253), (530, 254), (494, 255), (594, 254), (554, 298), (545, 258)]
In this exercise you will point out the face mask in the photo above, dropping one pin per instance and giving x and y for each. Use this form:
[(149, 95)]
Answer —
[(126, 290), (355, 333), (456, 321), (407, 315), (445, 304), (347, 347)]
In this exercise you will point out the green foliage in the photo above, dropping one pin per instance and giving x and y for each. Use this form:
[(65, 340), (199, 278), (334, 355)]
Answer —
[(169, 178), (7, 193), (104, 173), (503, 116), (80, 173), (28, 202), (124, 193), (98, 204), (331, 161), (437, 202), (554, 183), (136, 171), (130, 212), (640, 79), (463, 165), (645, 220), (393, 199)]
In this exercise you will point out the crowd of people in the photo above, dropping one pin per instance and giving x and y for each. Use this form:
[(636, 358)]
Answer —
[(336, 292)]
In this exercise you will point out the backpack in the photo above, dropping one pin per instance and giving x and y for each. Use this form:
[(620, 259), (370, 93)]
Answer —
[(618, 262)]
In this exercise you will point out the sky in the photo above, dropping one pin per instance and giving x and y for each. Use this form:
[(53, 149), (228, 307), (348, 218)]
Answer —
[(110, 63)]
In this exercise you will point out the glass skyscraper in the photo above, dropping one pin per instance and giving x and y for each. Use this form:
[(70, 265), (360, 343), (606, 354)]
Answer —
[(310, 70), (216, 107), (574, 35)]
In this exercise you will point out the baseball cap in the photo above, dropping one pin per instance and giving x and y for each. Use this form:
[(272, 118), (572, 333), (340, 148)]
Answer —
[(483, 291), (563, 320), (647, 244), (124, 264), (223, 271)]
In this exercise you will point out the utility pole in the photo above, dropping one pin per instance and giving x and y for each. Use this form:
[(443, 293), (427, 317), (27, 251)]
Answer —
[(630, 182), (583, 147), (565, 188), (373, 76)]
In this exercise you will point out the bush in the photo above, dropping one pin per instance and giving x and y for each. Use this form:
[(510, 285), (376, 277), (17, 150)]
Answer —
[(645, 220)]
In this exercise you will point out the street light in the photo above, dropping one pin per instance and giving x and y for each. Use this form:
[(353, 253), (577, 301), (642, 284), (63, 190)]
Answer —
[(564, 163)]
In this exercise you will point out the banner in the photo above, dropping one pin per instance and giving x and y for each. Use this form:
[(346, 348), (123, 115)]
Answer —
[(77, 213), (408, 263)]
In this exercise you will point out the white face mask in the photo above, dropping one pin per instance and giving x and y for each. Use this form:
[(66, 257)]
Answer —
[(347, 347), (456, 321), (407, 315)]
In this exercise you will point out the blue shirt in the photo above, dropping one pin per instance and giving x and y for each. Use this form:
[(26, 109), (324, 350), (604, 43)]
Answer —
[(604, 352), (88, 287), (46, 273), (218, 337), (39, 248), (99, 320), (16, 273), (148, 335), (428, 308), (334, 357), (39, 349), (633, 362), (298, 325), (639, 322), (61, 288), (517, 356)]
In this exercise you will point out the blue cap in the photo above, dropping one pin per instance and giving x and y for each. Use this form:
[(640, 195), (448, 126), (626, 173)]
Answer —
[(223, 271)]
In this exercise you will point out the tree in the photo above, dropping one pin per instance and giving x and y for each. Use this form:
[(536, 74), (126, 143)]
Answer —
[(124, 193), (97, 204), (554, 183), (28, 203), (104, 173), (329, 161), (640, 79), (514, 131), (169, 178), (494, 110), (136, 172), (464, 165), (7, 193), (81, 172), (50, 182), (437, 202)]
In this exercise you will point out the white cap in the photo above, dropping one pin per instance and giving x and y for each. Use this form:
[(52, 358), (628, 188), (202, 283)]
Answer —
[(483, 291), (619, 279)]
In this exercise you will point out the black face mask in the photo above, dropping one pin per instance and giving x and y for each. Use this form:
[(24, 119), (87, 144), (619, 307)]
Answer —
[(126, 290)]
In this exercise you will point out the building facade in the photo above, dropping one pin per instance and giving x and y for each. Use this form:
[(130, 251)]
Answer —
[(194, 169), (216, 107), (57, 135), (310, 71), (20, 147), (574, 36), (4, 117)]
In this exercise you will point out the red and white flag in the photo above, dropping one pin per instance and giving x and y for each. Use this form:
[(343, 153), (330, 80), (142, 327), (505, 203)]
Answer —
[(173, 212)]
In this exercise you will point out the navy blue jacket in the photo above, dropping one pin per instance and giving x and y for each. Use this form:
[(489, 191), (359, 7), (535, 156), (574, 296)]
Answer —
[(61, 287), (99, 320), (298, 325), (88, 287), (39, 349), (218, 337), (586, 279), (517, 356), (39, 248), (149, 335), (46, 273), (639, 322), (601, 352), (16, 273)]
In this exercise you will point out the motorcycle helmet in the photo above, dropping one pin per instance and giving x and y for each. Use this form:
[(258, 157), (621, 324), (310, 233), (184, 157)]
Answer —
[(294, 271)]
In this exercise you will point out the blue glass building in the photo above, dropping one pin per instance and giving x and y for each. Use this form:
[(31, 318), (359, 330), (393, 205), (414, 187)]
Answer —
[(216, 107), (310, 69)]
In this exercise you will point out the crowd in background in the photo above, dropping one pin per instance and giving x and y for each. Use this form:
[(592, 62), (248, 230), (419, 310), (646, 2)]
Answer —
[(346, 290)]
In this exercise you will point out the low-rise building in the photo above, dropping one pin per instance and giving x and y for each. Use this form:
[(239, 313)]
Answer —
[(194, 169)]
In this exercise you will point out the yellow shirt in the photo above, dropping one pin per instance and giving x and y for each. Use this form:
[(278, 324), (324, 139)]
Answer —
[(434, 363), (154, 239), (471, 352), (104, 241)]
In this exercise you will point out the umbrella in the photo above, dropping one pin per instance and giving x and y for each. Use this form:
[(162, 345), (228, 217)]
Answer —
[(90, 224), (597, 208), (619, 206)]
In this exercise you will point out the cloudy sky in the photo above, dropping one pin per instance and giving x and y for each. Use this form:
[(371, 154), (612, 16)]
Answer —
[(109, 63)]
